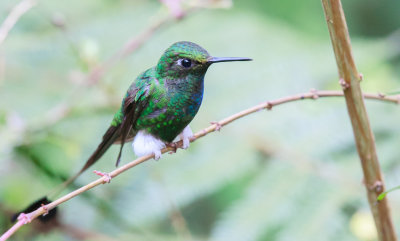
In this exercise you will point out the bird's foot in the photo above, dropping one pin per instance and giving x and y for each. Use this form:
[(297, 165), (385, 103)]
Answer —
[(24, 218), (185, 136), (172, 145), (157, 155), (218, 126), (106, 176)]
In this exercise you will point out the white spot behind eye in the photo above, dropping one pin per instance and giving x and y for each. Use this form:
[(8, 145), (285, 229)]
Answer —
[(185, 62)]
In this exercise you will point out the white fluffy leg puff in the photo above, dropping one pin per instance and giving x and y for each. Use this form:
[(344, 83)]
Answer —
[(185, 136), (145, 144)]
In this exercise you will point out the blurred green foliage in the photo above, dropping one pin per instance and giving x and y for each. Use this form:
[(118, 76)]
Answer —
[(287, 174)]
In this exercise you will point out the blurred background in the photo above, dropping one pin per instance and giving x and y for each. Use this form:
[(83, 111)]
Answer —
[(287, 174)]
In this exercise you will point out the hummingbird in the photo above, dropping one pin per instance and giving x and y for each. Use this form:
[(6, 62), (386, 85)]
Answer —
[(158, 106), (161, 102)]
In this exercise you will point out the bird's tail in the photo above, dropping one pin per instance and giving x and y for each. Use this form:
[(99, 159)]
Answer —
[(109, 138)]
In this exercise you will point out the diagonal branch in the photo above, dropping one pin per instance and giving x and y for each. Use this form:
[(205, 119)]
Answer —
[(12, 18), (364, 138), (313, 94)]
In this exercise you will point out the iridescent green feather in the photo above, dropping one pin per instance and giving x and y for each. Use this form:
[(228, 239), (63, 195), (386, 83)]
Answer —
[(162, 101), (170, 97)]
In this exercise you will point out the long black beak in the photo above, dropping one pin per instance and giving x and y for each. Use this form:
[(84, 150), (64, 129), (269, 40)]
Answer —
[(226, 59)]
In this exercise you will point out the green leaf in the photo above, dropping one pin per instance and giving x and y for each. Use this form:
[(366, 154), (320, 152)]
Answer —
[(383, 195)]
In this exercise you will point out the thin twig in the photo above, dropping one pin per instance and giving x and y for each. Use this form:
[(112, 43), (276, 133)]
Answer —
[(313, 94), (12, 230), (12, 18), (364, 138), (64, 108), (133, 44)]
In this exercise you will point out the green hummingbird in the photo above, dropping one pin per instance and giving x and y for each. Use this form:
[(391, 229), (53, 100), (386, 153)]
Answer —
[(161, 102), (158, 106)]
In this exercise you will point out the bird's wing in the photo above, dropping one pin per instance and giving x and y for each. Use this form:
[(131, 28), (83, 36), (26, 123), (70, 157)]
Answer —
[(132, 107)]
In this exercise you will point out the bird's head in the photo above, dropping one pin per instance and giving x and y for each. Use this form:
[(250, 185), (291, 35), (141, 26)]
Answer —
[(187, 58)]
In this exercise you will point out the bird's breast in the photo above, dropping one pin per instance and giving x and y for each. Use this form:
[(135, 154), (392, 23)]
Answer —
[(187, 99), (167, 116)]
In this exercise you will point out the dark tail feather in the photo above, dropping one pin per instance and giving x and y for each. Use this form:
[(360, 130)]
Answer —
[(124, 135), (118, 133), (112, 134), (119, 155), (126, 125), (109, 138)]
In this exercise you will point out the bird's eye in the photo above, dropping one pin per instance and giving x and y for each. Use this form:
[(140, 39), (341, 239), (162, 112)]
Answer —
[(185, 63)]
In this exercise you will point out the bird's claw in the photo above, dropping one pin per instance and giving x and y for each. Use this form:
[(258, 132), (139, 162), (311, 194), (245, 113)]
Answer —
[(24, 218), (106, 176), (157, 155), (185, 143), (174, 147), (218, 126), (185, 136)]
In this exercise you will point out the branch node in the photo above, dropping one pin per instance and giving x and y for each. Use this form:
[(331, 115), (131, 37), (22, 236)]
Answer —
[(344, 84), (218, 126), (314, 93), (328, 19), (269, 105), (381, 95), (45, 209), (361, 76), (24, 218), (106, 176), (175, 8), (377, 187)]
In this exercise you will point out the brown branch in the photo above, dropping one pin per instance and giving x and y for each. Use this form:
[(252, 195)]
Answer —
[(364, 138), (12, 18), (313, 94)]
